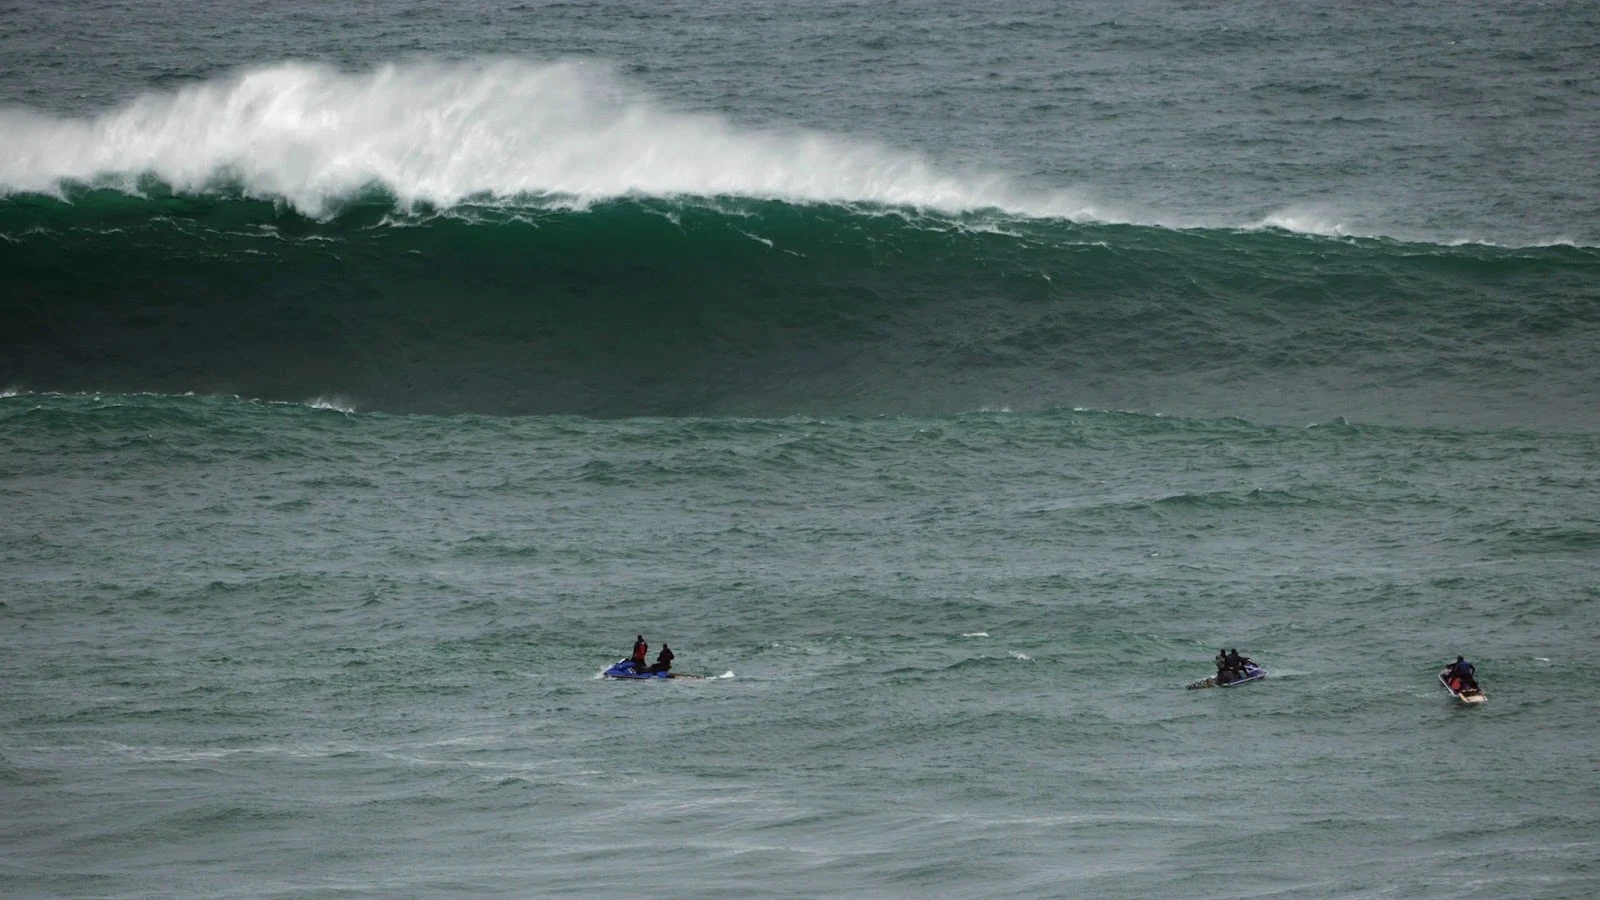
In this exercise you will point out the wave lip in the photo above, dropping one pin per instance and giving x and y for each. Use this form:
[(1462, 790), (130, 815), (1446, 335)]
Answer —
[(440, 135), (443, 133)]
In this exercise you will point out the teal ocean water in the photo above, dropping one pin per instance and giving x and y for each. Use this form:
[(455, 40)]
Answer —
[(945, 385)]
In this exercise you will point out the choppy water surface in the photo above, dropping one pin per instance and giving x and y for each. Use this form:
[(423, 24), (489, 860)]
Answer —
[(358, 653)]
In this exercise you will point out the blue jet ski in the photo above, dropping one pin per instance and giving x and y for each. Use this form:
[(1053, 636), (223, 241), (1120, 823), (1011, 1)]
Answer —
[(627, 668), (1252, 672)]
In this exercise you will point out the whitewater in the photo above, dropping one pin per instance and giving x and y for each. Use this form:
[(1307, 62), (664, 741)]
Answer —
[(442, 134), (565, 133)]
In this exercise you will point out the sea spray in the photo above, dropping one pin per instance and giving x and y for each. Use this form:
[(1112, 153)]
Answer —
[(443, 133)]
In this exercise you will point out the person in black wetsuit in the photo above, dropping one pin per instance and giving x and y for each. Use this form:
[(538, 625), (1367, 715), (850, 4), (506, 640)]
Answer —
[(1236, 663), (663, 660), (1223, 674), (1461, 674)]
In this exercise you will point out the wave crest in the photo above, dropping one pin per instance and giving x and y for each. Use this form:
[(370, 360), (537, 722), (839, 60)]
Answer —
[(442, 133)]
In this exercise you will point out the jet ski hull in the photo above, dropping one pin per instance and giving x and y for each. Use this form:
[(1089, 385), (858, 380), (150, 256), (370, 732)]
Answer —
[(1466, 695), (1252, 672), (626, 669)]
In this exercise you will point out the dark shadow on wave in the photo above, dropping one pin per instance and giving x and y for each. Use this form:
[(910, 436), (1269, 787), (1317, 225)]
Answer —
[(734, 306)]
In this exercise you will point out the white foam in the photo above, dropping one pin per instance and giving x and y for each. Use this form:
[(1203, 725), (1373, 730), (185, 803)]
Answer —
[(337, 404), (443, 133), (975, 634), (1308, 220), (566, 133)]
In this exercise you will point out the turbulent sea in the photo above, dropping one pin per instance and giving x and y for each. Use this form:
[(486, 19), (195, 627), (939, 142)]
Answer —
[(946, 384)]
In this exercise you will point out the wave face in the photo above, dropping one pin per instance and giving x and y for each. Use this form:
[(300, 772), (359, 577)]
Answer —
[(652, 306), (504, 237)]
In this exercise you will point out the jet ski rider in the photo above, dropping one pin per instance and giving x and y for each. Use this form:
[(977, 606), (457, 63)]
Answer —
[(640, 651), (663, 660), (1231, 666)]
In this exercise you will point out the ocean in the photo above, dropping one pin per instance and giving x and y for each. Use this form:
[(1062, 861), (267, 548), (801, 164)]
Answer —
[(945, 384)]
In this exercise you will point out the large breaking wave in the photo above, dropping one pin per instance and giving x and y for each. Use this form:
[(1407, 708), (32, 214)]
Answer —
[(511, 237), (441, 134)]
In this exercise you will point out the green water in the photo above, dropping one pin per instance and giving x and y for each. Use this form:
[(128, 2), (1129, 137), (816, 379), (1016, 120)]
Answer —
[(359, 654), (946, 386)]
